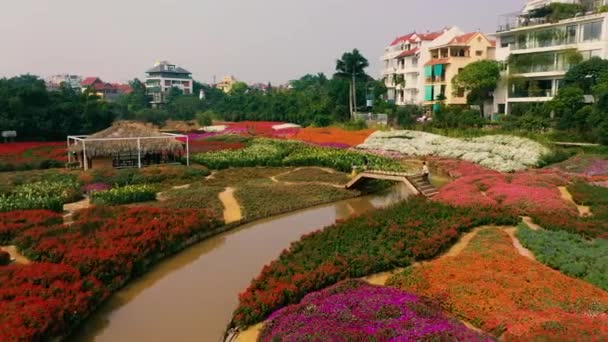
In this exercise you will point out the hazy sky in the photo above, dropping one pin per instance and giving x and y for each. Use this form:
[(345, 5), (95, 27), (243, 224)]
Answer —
[(254, 40)]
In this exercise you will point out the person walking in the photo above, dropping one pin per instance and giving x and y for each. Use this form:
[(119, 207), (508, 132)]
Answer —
[(425, 171)]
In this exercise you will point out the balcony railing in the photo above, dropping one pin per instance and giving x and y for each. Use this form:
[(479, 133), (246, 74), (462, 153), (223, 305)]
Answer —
[(524, 93)]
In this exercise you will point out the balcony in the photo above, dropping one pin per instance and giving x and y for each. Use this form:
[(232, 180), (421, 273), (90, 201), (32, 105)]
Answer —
[(534, 44)]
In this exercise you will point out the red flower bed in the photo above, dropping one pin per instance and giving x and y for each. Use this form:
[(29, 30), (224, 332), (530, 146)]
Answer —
[(492, 286), (32, 153), (15, 222), (39, 301), (199, 146), (415, 230), (114, 244)]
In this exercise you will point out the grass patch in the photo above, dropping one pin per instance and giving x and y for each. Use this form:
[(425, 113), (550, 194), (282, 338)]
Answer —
[(272, 199), (197, 196), (569, 253), (315, 175)]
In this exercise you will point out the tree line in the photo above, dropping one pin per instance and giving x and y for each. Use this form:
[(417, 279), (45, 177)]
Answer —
[(35, 112)]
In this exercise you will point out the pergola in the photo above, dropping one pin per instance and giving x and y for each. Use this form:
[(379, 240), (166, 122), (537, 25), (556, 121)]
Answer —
[(84, 139)]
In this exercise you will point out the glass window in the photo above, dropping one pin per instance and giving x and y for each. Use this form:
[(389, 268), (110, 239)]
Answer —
[(571, 34), (478, 53), (506, 41), (592, 31)]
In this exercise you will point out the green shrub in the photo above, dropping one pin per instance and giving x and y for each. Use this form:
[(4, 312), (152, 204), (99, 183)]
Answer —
[(569, 253), (262, 152), (341, 160), (25, 201), (68, 190), (124, 195)]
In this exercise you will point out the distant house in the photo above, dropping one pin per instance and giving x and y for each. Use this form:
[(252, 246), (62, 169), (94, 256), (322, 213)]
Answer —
[(106, 91), (163, 77), (227, 83), (54, 82)]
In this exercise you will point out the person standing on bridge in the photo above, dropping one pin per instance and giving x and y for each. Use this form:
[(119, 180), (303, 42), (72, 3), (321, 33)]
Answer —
[(425, 171), (365, 163)]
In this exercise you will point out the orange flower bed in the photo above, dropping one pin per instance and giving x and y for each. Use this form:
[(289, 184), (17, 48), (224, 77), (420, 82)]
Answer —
[(490, 285), (333, 135)]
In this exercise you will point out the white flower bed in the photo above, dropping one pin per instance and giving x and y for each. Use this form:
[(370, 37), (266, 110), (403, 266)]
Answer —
[(503, 153), (285, 126), (215, 129)]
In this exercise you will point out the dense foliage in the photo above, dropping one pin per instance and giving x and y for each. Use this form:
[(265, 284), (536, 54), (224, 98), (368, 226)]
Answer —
[(569, 253), (124, 195), (498, 290), (29, 108), (377, 242), (355, 311), (15, 222)]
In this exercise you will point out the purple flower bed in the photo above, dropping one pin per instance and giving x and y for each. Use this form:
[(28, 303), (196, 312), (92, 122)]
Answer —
[(356, 311), (95, 187), (598, 167)]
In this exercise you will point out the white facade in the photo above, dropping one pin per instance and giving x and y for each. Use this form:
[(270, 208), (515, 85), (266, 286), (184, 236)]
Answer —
[(552, 43), (404, 59), (55, 81), (165, 76)]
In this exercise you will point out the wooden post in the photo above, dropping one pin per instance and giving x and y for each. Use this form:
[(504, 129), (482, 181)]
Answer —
[(69, 153), (85, 160), (138, 153), (187, 150)]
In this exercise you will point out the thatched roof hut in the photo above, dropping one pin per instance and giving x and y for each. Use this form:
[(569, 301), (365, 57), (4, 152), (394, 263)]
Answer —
[(122, 137)]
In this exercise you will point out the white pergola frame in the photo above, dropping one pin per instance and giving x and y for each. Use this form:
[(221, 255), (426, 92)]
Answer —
[(84, 138)]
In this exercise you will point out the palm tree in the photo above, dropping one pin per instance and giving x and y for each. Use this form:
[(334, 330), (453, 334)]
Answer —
[(352, 65)]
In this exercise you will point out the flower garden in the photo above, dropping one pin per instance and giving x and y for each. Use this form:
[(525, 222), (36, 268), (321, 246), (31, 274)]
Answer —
[(32, 155), (139, 217)]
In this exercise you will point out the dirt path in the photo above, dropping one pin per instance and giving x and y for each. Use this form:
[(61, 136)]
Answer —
[(232, 209), (275, 179), (528, 221), (583, 211), (162, 196), (523, 251), (250, 335), (71, 208), (17, 257)]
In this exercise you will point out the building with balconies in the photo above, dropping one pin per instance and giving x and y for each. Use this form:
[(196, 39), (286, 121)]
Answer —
[(165, 76), (447, 61), (538, 49), (403, 64)]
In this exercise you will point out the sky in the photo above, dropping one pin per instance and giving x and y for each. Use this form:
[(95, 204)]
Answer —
[(254, 40)]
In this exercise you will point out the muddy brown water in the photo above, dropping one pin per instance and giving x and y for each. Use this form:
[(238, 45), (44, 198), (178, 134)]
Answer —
[(191, 296)]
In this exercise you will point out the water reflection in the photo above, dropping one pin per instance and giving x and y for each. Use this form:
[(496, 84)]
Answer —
[(190, 297)]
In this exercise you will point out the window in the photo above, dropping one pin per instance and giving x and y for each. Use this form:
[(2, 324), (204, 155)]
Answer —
[(506, 41), (591, 53), (478, 53), (502, 108), (592, 31), (167, 83), (460, 92), (571, 34)]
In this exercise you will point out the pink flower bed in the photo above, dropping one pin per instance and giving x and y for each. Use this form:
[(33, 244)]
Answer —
[(525, 192)]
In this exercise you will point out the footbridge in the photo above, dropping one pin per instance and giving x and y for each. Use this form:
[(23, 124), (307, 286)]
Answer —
[(415, 182)]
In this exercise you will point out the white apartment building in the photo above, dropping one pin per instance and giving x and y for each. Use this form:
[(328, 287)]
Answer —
[(539, 51), (404, 61), (55, 81), (163, 77)]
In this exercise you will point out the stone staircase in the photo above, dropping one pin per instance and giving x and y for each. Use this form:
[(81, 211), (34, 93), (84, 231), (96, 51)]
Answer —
[(425, 187)]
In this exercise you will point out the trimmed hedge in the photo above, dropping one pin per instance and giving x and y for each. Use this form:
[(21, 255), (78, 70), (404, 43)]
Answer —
[(124, 195)]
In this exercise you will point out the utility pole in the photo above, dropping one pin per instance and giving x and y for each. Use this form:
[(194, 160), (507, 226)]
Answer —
[(354, 94)]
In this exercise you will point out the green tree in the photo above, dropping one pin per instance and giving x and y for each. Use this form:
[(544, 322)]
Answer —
[(184, 107), (566, 104), (479, 79), (137, 99), (352, 66), (587, 74)]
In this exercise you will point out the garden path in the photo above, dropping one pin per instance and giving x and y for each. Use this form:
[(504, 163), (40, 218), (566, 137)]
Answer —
[(275, 179), (162, 196), (232, 209), (17, 257), (528, 221), (71, 208), (567, 196)]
